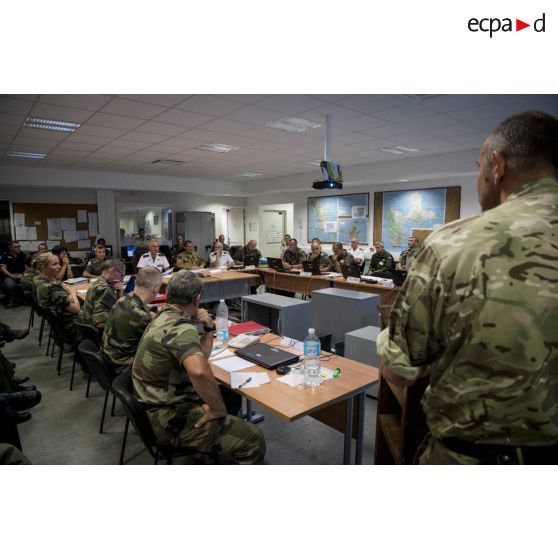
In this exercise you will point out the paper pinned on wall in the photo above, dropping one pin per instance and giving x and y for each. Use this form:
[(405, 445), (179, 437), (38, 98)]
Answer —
[(53, 226), (28, 246), (93, 225), (84, 235), (82, 216), (68, 224), (55, 235), (84, 244), (331, 226), (71, 236), (52, 243), (26, 233), (19, 219)]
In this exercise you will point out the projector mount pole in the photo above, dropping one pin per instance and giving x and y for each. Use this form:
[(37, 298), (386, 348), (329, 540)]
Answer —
[(328, 132)]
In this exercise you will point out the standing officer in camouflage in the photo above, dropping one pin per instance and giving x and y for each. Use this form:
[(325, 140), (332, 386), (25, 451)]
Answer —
[(128, 319), (102, 296), (480, 310), (53, 295), (293, 256), (407, 255), (94, 267), (188, 259), (381, 260), (172, 377)]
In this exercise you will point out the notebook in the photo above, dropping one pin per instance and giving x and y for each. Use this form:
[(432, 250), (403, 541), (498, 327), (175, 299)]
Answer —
[(312, 267), (266, 355), (248, 327)]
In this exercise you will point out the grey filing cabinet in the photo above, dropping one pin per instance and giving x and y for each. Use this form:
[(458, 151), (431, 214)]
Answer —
[(284, 315), (336, 311), (360, 345)]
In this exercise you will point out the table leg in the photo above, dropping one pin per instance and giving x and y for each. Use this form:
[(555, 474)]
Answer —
[(348, 431), (360, 428), (249, 415)]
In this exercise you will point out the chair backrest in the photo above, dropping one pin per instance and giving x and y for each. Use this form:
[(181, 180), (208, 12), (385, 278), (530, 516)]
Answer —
[(96, 364), (57, 326), (90, 332), (122, 386)]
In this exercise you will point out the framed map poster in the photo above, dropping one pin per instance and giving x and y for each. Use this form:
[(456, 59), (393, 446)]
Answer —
[(339, 218), (400, 214)]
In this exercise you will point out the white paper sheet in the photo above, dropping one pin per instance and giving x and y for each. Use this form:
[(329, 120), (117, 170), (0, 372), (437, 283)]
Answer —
[(292, 343), (84, 244), (52, 243), (83, 235), (28, 246), (71, 236), (26, 233), (19, 219), (55, 235), (325, 374), (233, 364), (67, 224), (53, 226), (82, 216), (222, 354), (93, 224), (257, 379)]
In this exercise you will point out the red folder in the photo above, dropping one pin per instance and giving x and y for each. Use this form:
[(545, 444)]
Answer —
[(248, 327)]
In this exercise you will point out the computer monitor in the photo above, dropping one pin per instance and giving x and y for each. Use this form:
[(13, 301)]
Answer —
[(108, 249), (130, 251)]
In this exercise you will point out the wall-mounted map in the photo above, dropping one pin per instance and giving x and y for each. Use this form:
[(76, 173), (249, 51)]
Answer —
[(338, 218)]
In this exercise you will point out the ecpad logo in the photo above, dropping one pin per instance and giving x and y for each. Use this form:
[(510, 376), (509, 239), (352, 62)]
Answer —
[(493, 25)]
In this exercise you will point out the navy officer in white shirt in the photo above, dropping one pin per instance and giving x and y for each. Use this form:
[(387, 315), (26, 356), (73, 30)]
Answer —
[(154, 258), (220, 258)]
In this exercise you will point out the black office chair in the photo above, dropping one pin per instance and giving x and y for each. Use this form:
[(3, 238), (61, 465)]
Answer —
[(94, 335), (57, 336), (136, 414), (96, 363), (325, 342)]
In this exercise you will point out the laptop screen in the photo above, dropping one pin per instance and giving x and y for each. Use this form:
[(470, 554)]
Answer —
[(130, 251)]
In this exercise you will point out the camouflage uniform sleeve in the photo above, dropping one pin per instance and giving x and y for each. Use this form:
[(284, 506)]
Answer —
[(104, 301), (58, 297), (182, 340), (413, 339)]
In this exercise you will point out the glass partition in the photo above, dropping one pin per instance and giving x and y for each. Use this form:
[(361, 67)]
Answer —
[(156, 220)]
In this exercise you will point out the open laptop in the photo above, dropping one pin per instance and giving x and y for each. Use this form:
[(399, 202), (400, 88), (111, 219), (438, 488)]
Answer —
[(277, 265), (266, 355), (251, 260), (354, 271), (313, 267)]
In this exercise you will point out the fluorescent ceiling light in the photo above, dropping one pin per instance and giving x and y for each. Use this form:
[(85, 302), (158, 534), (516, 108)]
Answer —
[(411, 149), (394, 151), (249, 174), (25, 154), (216, 147), (52, 125), (289, 124)]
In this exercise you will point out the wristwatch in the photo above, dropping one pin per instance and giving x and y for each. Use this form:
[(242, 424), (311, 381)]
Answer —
[(212, 328)]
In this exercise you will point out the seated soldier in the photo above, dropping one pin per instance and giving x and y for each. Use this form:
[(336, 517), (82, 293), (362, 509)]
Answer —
[(64, 259), (177, 248), (340, 257), (128, 319), (189, 259), (381, 261), (94, 267), (293, 256), (154, 258), (100, 298), (221, 239), (173, 379), (322, 258), (53, 295), (407, 255), (27, 281), (249, 250), (220, 258)]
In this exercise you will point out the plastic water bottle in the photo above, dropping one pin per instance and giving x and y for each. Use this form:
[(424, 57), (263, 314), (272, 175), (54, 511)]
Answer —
[(222, 322), (312, 348)]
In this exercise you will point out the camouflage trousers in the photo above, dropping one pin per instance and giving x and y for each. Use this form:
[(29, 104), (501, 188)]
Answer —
[(436, 453), (242, 441), (10, 455)]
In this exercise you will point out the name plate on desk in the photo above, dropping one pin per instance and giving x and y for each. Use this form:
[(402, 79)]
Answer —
[(249, 267), (353, 279), (216, 270), (305, 274)]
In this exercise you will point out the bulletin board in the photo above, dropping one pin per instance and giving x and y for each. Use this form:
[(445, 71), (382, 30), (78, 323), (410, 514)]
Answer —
[(74, 226)]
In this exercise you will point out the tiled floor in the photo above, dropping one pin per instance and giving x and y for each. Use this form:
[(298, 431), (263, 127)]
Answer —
[(65, 425)]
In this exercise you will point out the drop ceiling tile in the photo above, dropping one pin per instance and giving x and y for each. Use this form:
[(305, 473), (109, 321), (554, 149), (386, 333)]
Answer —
[(448, 103), (226, 126), (290, 104), (263, 133), (480, 114), (8, 119), (128, 144), (115, 121), (247, 99), (133, 109), (390, 131), (9, 129), (255, 115), (144, 138), (210, 105), (454, 130), (371, 104), (161, 128), (179, 143), (85, 102), (17, 106), (361, 123), (405, 113), (42, 110), (100, 131), (18, 96), (84, 139), (200, 136), (162, 100), (42, 134), (337, 113), (183, 118)]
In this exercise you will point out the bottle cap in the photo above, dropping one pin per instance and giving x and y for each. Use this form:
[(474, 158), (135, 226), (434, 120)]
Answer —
[(221, 300), (311, 330)]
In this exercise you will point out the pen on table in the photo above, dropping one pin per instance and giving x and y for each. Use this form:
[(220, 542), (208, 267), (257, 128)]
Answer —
[(245, 382)]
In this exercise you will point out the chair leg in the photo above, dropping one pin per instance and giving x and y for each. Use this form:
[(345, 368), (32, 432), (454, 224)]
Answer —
[(104, 412), (48, 346), (124, 441), (41, 330), (88, 385), (73, 371), (113, 405), (60, 353), (30, 324), (156, 462)]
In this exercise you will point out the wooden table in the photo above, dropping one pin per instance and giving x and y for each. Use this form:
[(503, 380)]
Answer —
[(226, 285), (333, 402), (387, 295), (292, 282)]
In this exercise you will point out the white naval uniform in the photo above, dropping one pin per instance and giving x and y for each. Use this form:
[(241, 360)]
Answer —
[(225, 259), (357, 253), (160, 261)]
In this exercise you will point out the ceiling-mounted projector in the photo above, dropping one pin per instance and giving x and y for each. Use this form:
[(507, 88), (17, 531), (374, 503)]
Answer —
[(332, 177)]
